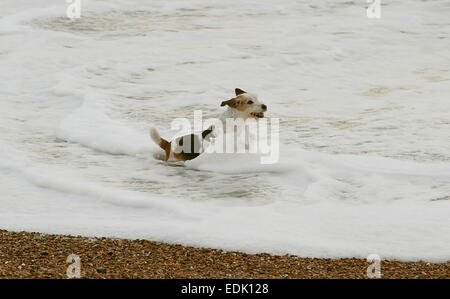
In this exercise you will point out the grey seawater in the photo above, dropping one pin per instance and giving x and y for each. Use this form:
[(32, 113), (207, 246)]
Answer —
[(385, 125)]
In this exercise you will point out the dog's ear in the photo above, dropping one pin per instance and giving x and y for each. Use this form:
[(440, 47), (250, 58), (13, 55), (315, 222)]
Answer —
[(231, 103), (239, 91)]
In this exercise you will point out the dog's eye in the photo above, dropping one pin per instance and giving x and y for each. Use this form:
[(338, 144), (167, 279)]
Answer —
[(250, 102)]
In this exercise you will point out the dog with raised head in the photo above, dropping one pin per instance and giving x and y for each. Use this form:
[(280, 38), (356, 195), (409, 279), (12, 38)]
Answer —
[(244, 106)]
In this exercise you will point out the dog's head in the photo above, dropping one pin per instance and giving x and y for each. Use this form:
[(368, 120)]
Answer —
[(247, 103)]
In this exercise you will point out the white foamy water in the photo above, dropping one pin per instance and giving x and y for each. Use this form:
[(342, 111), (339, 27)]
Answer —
[(364, 114)]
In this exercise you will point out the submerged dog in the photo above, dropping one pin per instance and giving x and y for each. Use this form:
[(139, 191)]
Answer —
[(176, 149), (244, 106)]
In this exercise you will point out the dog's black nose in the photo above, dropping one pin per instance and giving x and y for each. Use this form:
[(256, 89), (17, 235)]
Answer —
[(264, 107)]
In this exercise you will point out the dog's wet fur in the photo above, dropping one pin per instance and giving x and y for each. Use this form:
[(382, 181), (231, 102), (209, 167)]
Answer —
[(244, 105), (175, 148)]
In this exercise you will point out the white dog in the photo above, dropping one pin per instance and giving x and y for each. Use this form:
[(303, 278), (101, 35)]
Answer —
[(244, 106)]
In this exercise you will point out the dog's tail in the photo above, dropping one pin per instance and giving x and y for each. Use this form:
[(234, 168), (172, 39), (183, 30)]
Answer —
[(163, 143)]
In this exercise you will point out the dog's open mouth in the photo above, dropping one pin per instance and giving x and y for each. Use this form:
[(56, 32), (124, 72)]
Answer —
[(257, 114)]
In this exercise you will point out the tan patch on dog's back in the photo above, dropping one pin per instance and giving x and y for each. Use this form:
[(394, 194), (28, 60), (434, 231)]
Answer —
[(194, 144)]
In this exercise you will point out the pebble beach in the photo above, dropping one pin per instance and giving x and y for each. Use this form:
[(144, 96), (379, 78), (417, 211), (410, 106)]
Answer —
[(36, 255)]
